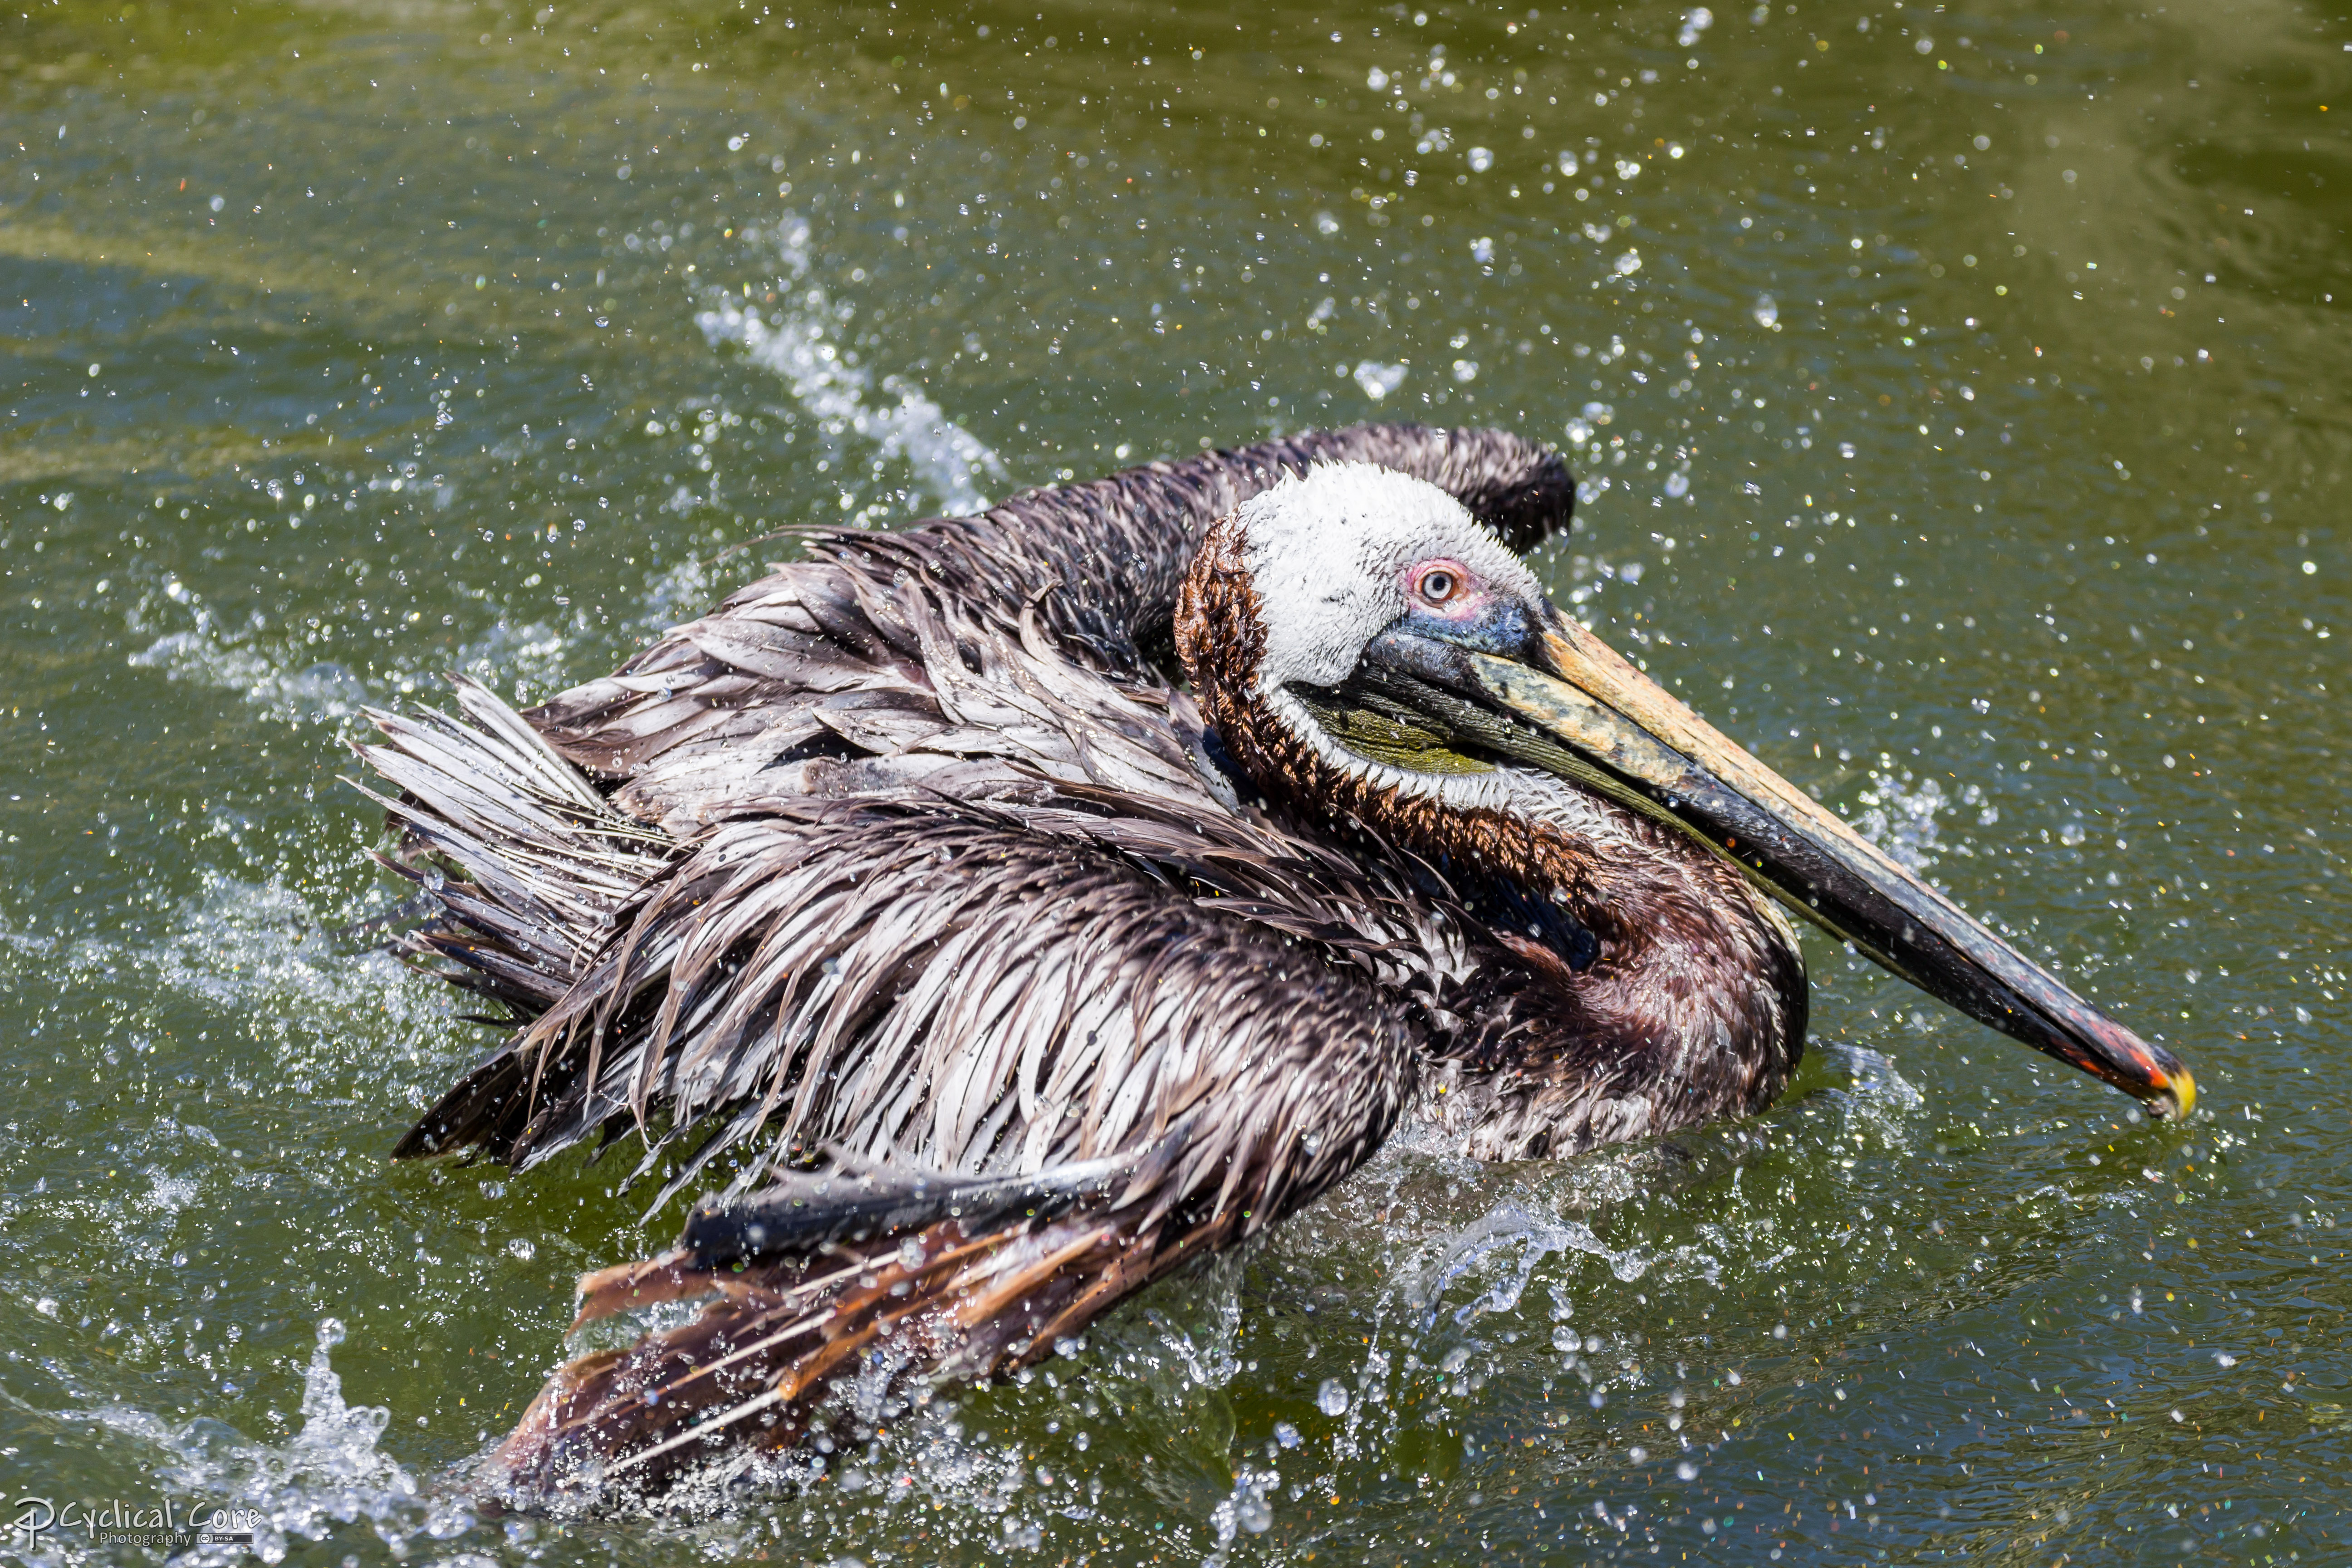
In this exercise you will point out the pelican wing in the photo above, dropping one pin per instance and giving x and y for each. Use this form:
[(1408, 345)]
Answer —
[(1040, 1055), (1041, 1049), (915, 981), (827, 662)]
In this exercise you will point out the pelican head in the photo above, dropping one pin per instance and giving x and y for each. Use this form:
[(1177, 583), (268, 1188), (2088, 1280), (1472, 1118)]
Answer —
[(1358, 624)]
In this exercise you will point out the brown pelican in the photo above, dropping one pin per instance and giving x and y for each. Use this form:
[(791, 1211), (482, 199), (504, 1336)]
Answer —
[(1020, 907)]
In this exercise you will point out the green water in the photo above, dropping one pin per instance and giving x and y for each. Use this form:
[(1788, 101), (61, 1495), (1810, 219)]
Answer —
[(1960, 398)]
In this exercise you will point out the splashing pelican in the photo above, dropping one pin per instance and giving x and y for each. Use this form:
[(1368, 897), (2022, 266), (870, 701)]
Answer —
[(1024, 906)]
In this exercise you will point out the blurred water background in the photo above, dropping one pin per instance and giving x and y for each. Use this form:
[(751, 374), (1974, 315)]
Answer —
[(1959, 396)]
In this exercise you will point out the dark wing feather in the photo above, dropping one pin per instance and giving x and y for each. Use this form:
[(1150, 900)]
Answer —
[(526, 861), (943, 987), (1086, 576), (1053, 1051), (1201, 1076)]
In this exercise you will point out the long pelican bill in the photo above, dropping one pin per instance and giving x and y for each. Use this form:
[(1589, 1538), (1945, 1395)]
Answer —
[(1564, 700)]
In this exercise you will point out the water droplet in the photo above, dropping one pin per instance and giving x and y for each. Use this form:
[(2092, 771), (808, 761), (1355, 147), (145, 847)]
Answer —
[(1331, 1399)]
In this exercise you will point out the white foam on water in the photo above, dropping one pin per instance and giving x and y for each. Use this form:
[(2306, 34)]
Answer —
[(795, 340), (330, 1474), (234, 661), (526, 658)]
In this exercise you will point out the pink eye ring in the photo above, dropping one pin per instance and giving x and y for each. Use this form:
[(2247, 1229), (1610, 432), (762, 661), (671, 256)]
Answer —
[(1440, 581)]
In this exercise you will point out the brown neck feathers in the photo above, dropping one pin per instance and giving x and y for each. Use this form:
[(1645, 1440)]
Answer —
[(1673, 996)]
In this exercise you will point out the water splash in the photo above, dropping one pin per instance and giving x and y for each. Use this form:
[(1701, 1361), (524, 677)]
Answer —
[(240, 944), (1419, 1322), (263, 669), (526, 661), (1248, 1507), (1538, 1237), (1876, 1101), (330, 1474), (795, 341), (1901, 819), (169, 1194), (258, 955), (235, 660), (679, 594), (1213, 1363)]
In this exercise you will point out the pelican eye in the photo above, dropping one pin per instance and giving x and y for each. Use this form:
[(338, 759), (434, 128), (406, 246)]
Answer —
[(1439, 583)]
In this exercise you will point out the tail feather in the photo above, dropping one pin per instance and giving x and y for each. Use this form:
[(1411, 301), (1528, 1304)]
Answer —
[(628, 1286), (955, 1278), (753, 1369)]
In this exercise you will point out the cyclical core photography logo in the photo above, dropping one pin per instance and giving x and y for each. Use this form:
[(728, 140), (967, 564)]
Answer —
[(167, 1524)]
